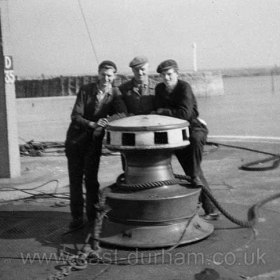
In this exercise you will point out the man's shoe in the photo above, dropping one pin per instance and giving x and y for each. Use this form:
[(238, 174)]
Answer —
[(211, 216), (76, 223), (196, 182)]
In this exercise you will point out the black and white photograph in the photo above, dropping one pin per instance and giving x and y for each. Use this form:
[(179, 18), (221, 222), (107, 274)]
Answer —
[(139, 139)]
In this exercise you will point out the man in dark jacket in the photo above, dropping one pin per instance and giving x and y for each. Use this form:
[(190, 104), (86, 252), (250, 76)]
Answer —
[(174, 97), (139, 92), (83, 146)]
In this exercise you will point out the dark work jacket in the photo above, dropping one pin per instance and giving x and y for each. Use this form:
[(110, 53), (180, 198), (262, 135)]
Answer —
[(87, 109), (180, 103), (135, 102)]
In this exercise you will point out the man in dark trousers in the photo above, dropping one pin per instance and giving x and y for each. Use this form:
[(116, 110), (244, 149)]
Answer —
[(83, 146), (174, 97)]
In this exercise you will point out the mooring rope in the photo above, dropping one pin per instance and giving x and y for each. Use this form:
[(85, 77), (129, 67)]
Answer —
[(252, 166), (121, 185), (93, 253)]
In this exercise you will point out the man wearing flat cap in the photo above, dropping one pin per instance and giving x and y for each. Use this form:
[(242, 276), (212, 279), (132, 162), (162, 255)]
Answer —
[(138, 93), (83, 145), (175, 98)]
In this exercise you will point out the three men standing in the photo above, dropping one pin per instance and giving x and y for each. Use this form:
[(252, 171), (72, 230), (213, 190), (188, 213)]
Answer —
[(140, 95)]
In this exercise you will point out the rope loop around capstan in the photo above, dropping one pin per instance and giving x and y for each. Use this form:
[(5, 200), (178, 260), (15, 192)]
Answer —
[(121, 185)]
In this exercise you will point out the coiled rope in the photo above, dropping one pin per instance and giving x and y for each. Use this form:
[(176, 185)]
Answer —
[(77, 262), (93, 254)]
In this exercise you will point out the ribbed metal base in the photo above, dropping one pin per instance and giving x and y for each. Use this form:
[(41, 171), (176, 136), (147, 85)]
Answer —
[(154, 218), (155, 236)]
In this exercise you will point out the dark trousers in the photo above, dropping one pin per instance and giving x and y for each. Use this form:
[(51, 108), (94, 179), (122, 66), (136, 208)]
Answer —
[(190, 159), (83, 165)]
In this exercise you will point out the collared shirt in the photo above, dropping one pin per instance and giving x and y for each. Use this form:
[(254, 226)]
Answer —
[(102, 96), (140, 88), (139, 99)]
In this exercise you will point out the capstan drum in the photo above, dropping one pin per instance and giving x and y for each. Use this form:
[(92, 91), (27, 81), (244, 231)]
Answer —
[(150, 211)]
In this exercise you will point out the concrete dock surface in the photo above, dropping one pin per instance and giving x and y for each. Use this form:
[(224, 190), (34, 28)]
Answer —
[(34, 215)]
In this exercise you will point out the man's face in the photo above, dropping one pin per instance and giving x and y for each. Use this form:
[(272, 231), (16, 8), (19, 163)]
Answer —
[(106, 76), (141, 73), (170, 78)]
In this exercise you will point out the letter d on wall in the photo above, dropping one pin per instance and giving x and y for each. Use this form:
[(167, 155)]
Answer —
[(9, 71)]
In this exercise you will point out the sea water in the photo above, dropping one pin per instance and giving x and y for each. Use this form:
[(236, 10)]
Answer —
[(249, 107)]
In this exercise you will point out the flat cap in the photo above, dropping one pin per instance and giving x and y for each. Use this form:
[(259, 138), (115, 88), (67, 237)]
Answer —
[(107, 64), (138, 61), (166, 65)]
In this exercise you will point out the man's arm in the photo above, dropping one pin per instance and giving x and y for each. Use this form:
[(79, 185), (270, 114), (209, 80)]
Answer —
[(181, 105), (185, 102)]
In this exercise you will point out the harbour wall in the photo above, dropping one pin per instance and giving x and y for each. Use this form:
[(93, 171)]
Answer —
[(44, 106), (203, 84)]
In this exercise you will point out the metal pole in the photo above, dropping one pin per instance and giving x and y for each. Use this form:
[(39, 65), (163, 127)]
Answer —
[(194, 57)]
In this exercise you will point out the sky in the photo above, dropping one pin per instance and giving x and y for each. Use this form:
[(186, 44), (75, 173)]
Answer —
[(53, 37)]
